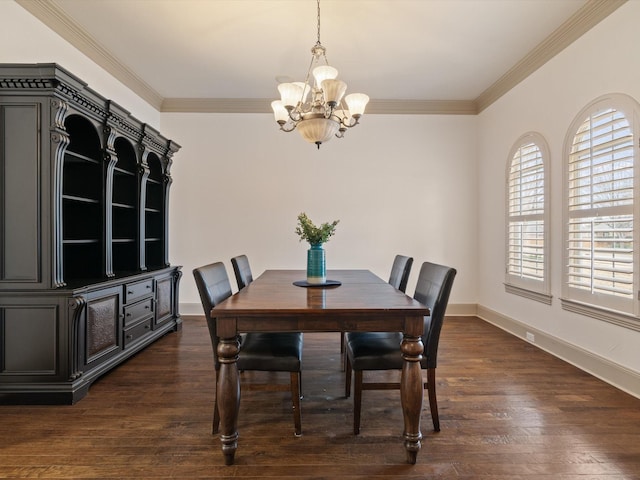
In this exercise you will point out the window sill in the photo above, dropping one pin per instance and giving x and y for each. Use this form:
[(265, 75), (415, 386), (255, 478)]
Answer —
[(617, 318), (530, 294)]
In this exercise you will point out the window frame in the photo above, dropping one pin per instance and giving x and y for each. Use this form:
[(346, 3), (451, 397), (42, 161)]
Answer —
[(619, 311), (527, 287)]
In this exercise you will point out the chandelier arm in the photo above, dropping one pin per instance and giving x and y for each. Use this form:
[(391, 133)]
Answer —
[(347, 124), (296, 114), (291, 129)]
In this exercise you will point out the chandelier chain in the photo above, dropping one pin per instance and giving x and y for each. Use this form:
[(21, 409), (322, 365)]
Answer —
[(318, 42)]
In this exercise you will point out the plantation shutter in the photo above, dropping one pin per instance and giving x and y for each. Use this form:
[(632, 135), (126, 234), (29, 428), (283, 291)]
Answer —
[(600, 207), (525, 237)]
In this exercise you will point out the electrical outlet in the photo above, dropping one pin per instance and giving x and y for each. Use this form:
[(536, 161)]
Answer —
[(531, 337)]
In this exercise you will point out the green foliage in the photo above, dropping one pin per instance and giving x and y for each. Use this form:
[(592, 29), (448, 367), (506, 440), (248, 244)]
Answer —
[(312, 234)]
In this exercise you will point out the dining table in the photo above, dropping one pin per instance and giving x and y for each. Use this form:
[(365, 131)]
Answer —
[(351, 300)]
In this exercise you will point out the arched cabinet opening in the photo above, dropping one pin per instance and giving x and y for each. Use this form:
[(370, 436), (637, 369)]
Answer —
[(154, 211), (125, 209), (82, 203)]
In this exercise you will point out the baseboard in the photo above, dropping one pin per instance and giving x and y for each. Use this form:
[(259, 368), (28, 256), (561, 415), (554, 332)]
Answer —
[(462, 309), (191, 309), (614, 374)]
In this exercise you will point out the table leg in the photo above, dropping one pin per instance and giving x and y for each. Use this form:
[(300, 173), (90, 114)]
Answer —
[(411, 394), (228, 396)]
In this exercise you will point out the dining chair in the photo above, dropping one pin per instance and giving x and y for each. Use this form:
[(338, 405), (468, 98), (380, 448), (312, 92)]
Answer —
[(381, 350), (242, 271), (271, 352), (400, 271), (398, 279)]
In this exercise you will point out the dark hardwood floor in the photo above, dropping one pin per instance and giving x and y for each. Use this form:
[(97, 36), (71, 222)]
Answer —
[(507, 411)]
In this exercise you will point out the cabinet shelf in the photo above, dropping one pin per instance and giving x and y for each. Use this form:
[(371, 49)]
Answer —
[(80, 199), (71, 156), (123, 206), (122, 171), (82, 241)]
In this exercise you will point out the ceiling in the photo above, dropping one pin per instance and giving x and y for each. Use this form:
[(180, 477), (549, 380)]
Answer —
[(409, 56)]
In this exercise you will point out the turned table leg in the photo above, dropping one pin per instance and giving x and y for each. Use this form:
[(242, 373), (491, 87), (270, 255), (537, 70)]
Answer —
[(228, 396), (411, 394)]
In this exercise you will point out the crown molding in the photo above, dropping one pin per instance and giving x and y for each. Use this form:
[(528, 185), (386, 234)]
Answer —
[(263, 105), (49, 13), (579, 23)]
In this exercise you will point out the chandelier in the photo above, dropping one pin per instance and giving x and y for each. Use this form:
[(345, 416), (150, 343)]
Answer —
[(324, 115)]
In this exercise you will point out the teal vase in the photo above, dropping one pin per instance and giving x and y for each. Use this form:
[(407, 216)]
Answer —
[(316, 264)]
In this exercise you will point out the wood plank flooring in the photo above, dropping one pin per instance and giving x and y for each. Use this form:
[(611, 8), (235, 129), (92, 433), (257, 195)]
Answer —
[(507, 411)]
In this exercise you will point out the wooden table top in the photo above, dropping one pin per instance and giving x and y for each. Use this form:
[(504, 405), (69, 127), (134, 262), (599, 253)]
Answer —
[(273, 293)]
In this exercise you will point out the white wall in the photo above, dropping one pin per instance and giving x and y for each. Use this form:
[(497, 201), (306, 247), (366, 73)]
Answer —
[(25, 39), (605, 60), (398, 184)]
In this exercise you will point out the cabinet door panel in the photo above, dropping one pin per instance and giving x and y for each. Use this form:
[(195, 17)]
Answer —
[(103, 325), (19, 192), (164, 300), (29, 340)]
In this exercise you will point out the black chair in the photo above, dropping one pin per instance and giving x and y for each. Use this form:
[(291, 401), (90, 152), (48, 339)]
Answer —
[(400, 271), (381, 350), (242, 271), (398, 279), (271, 352)]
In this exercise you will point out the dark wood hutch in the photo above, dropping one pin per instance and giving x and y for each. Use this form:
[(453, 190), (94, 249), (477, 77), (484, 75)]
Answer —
[(85, 280)]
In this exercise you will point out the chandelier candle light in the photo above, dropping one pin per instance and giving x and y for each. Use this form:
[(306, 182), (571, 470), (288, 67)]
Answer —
[(324, 115)]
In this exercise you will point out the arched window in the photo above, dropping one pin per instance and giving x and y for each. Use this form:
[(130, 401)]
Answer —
[(527, 249), (601, 210)]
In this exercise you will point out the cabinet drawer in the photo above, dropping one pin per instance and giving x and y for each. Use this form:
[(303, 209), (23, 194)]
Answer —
[(134, 291), (137, 311), (134, 333)]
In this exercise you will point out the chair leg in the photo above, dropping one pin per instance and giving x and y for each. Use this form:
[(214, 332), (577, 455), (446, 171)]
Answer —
[(347, 377), (433, 401), (342, 337), (357, 401), (216, 412), (295, 400)]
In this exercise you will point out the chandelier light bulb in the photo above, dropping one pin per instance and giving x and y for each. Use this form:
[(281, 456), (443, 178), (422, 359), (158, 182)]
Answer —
[(324, 72), (305, 89), (356, 103), (333, 91), (290, 94), (279, 112)]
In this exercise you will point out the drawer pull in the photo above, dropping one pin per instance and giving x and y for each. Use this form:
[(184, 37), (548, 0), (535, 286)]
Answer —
[(129, 292), (129, 337)]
